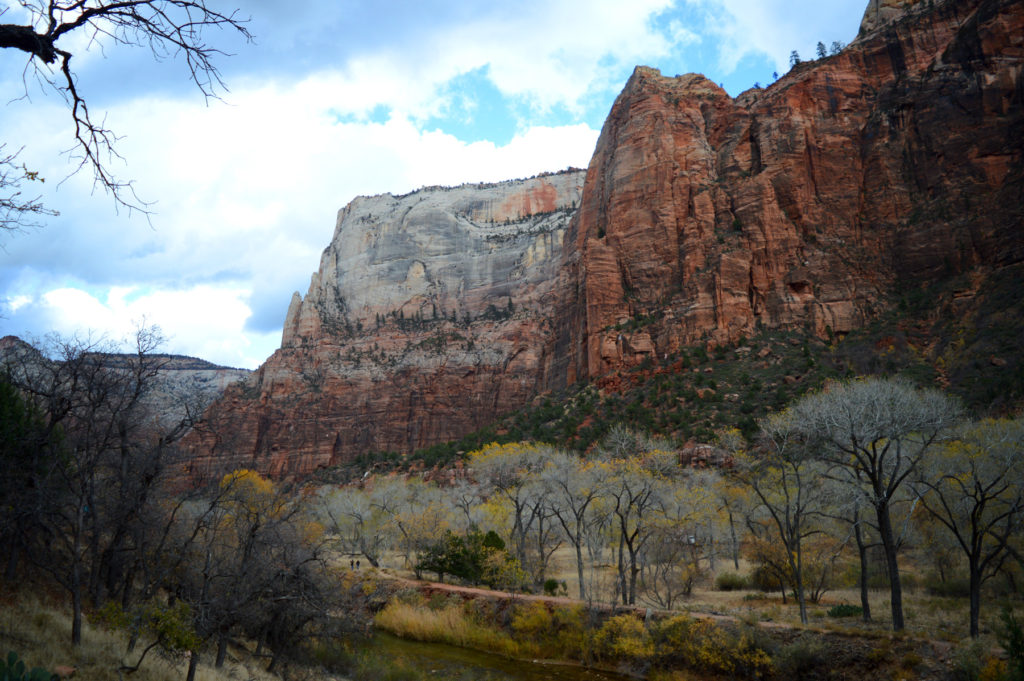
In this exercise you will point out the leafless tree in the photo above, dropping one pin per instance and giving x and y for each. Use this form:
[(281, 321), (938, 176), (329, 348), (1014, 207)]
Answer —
[(510, 475), (787, 483), (168, 28), (975, 488), (636, 492), (104, 450), (572, 487), (880, 431)]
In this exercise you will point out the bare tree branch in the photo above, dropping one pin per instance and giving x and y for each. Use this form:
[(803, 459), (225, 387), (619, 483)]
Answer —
[(16, 211), (168, 28)]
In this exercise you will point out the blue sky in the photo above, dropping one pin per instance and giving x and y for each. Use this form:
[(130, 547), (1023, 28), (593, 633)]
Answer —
[(333, 99)]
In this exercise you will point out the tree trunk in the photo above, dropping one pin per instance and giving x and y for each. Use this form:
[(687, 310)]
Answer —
[(798, 578), (222, 650), (579, 567), (193, 663), (892, 566), (862, 551), (975, 597), (633, 572), (76, 610), (735, 544)]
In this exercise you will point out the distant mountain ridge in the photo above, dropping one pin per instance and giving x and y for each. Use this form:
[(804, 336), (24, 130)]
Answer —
[(178, 378)]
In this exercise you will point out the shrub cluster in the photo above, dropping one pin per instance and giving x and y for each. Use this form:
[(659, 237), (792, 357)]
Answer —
[(730, 581), (845, 610)]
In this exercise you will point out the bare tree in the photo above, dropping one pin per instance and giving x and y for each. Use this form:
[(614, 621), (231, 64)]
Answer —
[(636, 490), (681, 539), (787, 483), (105, 450), (572, 487), (169, 28), (880, 431), (508, 473), (975, 488)]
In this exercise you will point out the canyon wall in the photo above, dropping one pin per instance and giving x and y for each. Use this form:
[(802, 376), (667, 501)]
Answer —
[(428, 317), (802, 205), (702, 218)]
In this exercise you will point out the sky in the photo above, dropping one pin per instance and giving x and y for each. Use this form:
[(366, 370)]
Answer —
[(331, 100)]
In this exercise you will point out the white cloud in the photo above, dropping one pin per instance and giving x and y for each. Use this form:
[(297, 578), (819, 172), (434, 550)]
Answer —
[(248, 189), (547, 53), (204, 321), (248, 196), (776, 27)]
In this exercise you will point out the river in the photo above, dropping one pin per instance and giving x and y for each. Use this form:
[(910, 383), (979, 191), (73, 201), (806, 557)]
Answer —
[(440, 661)]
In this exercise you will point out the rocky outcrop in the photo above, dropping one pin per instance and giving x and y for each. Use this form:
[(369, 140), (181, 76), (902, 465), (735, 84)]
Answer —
[(803, 205), (428, 317), (702, 218)]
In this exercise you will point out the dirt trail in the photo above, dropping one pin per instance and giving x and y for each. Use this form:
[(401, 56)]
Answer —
[(429, 588)]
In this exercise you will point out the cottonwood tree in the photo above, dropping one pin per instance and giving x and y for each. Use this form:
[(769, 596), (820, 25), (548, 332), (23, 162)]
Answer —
[(256, 565), (418, 514), (681, 539), (637, 488), (508, 474), (51, 30), (788, 485), (358, 521), (852, 508), (880, 431), (974, 486), (572, 487)]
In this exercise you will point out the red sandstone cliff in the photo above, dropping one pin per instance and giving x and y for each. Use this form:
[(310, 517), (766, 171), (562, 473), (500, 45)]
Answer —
[(802, 205), (702, 218)]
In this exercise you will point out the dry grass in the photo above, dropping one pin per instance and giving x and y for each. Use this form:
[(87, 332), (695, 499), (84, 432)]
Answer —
[(41, 635), (449, 624), (927, 616)]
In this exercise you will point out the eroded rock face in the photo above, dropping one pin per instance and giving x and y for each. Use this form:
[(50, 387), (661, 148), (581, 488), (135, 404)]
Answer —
[(895, 162), (702, 218), (428, 317)]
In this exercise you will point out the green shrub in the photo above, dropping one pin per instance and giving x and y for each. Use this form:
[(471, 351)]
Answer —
[(730, 581), (968, 661), (800, 659), (845, 610), (553, 587), (13, 669), (1011, 638)]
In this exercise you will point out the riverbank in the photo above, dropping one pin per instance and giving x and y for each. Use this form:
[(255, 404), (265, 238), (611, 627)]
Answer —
[(656, 644)]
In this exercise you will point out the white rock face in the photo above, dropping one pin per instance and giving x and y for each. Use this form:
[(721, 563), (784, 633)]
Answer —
[(437, 253), (880, 12)]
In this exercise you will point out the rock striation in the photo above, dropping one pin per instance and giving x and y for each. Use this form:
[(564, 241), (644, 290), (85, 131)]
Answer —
[(428, 317), (701, 218), (891, 164)]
